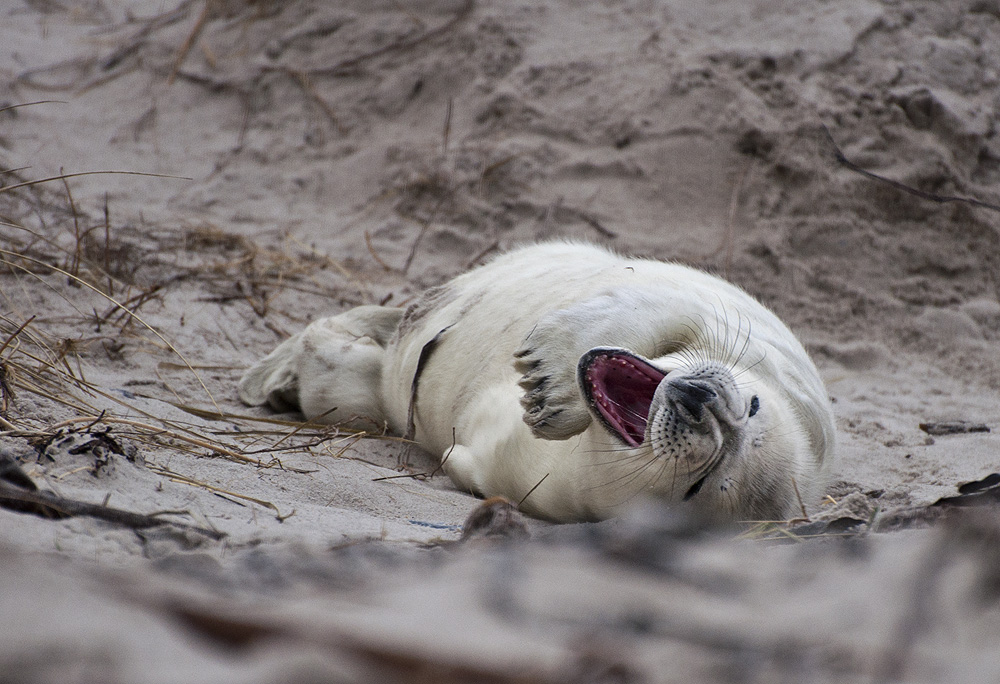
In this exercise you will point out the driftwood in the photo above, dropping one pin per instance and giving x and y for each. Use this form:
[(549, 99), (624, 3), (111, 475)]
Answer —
[(19, 493)]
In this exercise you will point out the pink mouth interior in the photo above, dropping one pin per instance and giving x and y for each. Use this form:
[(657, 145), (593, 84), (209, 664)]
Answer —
[(622, 388)]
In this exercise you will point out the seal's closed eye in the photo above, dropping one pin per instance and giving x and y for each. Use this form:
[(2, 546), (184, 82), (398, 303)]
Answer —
[(754, 406)]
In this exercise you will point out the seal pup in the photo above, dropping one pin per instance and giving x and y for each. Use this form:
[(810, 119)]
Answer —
[(572, 379)]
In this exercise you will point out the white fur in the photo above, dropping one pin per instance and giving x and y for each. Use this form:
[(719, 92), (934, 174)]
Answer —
[(550, 303)]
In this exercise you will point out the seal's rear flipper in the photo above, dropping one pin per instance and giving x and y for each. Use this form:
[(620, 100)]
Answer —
[(273, 379), (330, 371)]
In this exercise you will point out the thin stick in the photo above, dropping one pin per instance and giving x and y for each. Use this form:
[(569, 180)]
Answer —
[(194, 441), (75, 265), (218, 415), (397, 477), (107, 244), (185, 48), (302, 426), (371, 250), (491, 169), (475, 260), (447, 125), (90, 173), (427, 475), (530, 491), (306, 83), (353, 439), (423, 229), (325, 257), (172, 431), (802, 506), (571, 213), (184, 479), (445, 459), (30, 104), (728, 241), (16, 333), (934, 197), (53, 506), (397, 46)]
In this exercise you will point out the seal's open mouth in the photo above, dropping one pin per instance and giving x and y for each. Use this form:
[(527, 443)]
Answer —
[(620, 386)]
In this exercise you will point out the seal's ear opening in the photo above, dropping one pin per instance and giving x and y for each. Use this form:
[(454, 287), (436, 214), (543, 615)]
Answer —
[(618, 387)]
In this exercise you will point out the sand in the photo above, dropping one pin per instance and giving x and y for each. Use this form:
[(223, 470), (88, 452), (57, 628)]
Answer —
[(314, 156)]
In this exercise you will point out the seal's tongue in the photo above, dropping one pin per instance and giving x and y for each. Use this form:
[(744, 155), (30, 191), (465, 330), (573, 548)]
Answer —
[(620, 386)]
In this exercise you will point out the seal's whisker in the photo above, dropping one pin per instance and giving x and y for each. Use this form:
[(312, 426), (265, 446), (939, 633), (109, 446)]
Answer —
[(713, 335), (792, 430), (724, 342), (611, 450), (719, 342), (628, 478), (619, 461), (631, 457), (731, 353), (673, 479), (625, 477), (745, 348), (706, 339), (751, 366), (728, 355), (709, 352), (692, 353), (639, 455), (727, 496), (747, 385), (655, 477)]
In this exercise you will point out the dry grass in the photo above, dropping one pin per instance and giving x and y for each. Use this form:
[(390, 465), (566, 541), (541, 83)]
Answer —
[(63, 272)]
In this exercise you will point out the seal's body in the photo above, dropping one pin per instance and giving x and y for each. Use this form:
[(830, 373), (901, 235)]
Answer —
[(582, 377)]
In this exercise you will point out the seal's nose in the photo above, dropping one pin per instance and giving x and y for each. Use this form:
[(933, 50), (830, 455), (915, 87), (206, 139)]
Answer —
[(692, 395)]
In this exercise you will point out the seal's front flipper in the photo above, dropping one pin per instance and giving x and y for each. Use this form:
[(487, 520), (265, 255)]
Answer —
[(553, 406), (330, 371), (553, 402)]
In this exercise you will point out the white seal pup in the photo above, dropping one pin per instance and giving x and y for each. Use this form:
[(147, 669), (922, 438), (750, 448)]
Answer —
[(571, 379)]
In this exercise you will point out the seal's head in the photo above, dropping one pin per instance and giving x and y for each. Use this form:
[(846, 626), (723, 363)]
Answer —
[(691, 432)]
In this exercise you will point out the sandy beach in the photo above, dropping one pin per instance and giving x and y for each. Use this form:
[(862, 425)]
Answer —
[(187, 183)]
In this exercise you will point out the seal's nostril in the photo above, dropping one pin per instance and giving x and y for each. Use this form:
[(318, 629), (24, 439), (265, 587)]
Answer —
[(692, 395)]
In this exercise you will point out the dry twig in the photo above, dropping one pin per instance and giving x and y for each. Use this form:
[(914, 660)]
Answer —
[(53, 506), (933, 197)]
